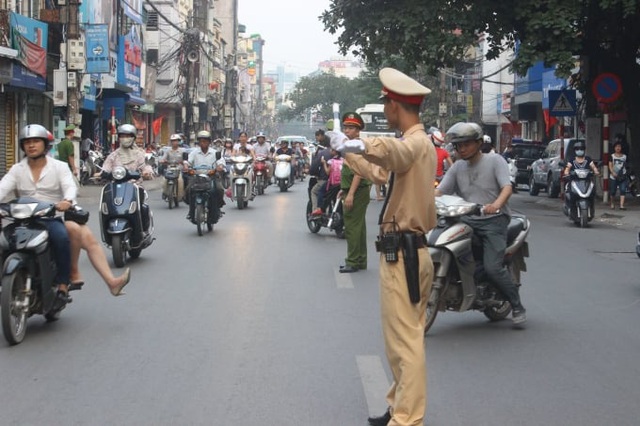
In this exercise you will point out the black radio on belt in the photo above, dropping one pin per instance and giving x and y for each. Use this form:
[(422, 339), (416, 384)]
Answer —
[(389, 244)]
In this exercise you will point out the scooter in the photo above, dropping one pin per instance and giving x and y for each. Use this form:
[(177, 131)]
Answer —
[(260, 171), (332, 216), (28, 267), (282, 172), (172, 191), (126, 221), (242, 180), (201, 179), (459, 283), (579, 205), (90, 166)]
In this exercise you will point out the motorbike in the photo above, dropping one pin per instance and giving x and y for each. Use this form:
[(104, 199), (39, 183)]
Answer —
[(151, 158), (282, 172), (242, 180), (260, 171), (28, 267), (172, 192), (460, 284), (301, 165), (638, 245), (332, 216), (123, 224), (201, 179), (90, 166), (579, 195)]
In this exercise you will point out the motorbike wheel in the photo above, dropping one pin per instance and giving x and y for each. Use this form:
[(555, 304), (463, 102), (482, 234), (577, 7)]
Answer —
[(432, 305), (313, 225), (552, 190), (200, 218), (240, 202), (260, 185), (283, 186), (340, 233), (170, 200), (14, 318), (498, 313), (584, 218), (117, 250), (533, 189)]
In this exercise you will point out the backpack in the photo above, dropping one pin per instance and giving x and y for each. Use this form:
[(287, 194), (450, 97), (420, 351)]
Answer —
[(335, 172)]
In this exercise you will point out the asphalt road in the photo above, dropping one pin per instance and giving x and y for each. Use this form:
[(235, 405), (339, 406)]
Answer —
[(253, 324)]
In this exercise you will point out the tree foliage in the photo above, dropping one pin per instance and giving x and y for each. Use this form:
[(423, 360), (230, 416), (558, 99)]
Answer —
[(598, 35), (320, 92), (436, 33)]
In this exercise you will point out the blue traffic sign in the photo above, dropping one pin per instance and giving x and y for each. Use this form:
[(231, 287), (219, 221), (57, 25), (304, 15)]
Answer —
[(607, 87), (562, 103)]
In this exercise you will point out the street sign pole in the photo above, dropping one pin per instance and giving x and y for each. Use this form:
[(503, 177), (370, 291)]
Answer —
[(605, 158)]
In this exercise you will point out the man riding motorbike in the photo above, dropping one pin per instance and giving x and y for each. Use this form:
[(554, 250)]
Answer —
[(263, 149), (45, 179), (204, 156), (129, 156), (484, 179), (171, 157), (284, 149)]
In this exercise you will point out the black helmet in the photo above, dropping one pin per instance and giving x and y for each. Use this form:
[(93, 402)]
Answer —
[(462, 132), (579, 145), (31, 131)]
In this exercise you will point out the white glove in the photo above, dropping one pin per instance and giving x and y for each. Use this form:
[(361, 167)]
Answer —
[(354, 145), (221, 163), (337, 139)]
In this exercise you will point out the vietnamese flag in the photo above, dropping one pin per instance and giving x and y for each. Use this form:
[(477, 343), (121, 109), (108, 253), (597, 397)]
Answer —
[(157, 123)]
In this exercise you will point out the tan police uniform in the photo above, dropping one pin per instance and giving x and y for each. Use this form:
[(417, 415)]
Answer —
[(410, 208)]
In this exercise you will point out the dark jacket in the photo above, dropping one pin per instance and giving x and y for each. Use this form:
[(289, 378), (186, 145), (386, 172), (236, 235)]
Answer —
[(316, 169)]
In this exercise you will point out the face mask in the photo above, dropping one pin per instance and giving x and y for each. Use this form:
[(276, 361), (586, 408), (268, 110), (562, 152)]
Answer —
[(579, 152), (126, 141)]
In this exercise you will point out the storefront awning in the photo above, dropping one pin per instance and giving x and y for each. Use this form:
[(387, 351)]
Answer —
[(135, 100)]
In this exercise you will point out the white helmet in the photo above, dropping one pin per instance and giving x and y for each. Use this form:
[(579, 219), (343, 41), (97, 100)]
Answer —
[(437, 138), (126, 135), (486, 139), (175, 137)]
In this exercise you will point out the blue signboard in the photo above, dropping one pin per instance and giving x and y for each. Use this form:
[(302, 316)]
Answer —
[(97, 42), (550, 82), (130, 60), (89, 99), (30, 39)]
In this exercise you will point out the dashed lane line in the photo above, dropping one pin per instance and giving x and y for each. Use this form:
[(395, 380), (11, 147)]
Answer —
[(375, 383)]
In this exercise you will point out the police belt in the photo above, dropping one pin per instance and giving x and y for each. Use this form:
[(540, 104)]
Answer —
[(391, 242)]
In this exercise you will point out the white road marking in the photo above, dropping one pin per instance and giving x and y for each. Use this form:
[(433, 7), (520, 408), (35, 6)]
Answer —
[(343, 281), (375, 383)]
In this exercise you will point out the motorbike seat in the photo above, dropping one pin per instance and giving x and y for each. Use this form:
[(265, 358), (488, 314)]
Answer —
[(516, 225)]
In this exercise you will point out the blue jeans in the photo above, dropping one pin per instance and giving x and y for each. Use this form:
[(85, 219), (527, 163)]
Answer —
[(614, 184), (493, 234), (61, 248)]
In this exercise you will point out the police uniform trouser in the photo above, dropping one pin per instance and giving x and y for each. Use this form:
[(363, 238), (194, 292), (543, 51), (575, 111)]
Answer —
[(403, 331), (355, 229)]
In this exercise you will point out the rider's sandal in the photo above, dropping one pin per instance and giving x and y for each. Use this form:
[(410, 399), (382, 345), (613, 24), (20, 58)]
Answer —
[(118, 290), (76, 285)]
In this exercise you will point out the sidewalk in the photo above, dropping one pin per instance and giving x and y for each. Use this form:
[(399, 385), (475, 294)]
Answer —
[(629, 218)]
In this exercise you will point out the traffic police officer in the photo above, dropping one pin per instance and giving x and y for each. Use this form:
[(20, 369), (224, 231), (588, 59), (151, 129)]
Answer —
[(355, 192), (406, 270)]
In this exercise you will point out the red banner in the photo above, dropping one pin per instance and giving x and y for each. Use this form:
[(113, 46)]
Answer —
[(31, 55), (157, 123)]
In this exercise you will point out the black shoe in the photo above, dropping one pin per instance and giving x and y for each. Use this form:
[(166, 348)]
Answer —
[(383, 420), (61, 300), (347, 269)]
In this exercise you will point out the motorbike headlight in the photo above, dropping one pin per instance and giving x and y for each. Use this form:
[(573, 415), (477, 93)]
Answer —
[(23, 211), (241, 166), (119, 173), (454, 209)]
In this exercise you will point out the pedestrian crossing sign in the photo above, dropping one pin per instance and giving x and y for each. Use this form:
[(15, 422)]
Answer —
[(562, 103)]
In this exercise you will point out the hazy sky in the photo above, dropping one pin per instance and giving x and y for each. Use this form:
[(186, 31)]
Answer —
[(292, 32)]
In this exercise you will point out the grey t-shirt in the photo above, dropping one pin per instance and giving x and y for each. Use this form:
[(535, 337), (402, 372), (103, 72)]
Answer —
[(480, 183)]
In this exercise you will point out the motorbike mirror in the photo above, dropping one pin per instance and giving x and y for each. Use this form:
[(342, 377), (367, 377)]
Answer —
[(562, 164)]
